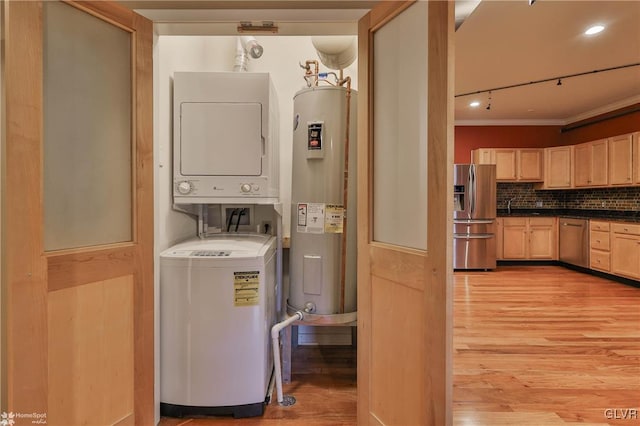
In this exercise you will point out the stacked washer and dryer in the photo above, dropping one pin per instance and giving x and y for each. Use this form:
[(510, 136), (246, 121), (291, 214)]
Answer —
[(218, 291)]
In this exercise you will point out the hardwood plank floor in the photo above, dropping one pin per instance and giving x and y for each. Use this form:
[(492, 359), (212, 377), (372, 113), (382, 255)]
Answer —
[(545, 345), (537, 346), (323, 382)]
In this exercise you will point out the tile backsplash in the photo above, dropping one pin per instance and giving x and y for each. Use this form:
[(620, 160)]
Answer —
[(526, 197)]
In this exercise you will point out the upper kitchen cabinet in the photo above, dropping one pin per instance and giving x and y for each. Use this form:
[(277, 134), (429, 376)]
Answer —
[(506, 164), (591, 164), (530, 165), (558, 167), (621, 160), (636, 157), (512, 165)]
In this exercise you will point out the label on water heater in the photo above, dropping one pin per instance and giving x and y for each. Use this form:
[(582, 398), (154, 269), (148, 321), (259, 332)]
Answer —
[(333, 219), (311, 218), (318, 218)]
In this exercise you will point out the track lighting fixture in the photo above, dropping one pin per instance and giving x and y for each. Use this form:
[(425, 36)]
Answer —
[(557, 79)]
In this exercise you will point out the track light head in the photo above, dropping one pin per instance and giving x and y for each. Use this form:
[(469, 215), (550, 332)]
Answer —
[(559, 83)]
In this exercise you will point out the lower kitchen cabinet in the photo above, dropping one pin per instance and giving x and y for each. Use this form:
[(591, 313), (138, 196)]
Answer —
[(625, 250), (529, 238), (499, 239), (600, 245)]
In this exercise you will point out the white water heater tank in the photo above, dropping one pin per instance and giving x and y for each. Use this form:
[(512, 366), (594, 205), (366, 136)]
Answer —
[(319, 217)]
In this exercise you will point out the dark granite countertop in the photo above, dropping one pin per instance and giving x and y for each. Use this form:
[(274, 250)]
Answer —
[(623, 216)]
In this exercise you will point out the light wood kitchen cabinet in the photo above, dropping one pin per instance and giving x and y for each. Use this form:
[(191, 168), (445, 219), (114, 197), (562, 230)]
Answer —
[(625, 250), (499, 239), (558, 167), (600, 245), (530, 238), (512, 165), (483, 156), (621, 160), (514, 238), (591, 164), (505, 161), (636, 157), (529, 165)]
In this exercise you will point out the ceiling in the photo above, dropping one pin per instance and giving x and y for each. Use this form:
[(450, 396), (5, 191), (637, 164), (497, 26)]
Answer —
[(500, 43), (509, 42)]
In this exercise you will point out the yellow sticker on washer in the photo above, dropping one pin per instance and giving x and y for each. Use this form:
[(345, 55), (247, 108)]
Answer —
[(246, 287), (333, 219)]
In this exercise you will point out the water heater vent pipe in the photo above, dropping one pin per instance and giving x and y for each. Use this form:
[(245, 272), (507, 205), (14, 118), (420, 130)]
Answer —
[(246, 46), (275, 337)]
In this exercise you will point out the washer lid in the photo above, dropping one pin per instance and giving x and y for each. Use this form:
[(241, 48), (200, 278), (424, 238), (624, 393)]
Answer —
[(223, 246)]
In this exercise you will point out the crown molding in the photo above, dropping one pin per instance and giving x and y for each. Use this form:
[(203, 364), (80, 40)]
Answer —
[(603, 110), (514, 122)]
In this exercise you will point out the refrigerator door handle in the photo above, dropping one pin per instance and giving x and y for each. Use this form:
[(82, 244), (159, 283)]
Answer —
[(472, 221), (472, 236), (472, 189)]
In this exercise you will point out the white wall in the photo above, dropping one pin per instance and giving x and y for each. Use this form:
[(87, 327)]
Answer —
[(281, 57)]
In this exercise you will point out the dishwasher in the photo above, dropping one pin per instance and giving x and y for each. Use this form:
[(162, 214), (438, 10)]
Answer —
[(574, 241)]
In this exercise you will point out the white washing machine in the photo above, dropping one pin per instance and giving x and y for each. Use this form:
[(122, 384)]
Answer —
[(217, 307)]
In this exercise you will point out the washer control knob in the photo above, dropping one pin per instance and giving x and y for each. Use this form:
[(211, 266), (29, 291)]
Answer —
[(185, 187), (245, 187)]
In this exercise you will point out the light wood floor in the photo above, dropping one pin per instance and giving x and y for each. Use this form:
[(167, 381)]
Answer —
[(539, 346), (544, 346)]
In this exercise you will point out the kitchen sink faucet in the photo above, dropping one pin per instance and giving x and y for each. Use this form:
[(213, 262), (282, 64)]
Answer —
[(509, 205)]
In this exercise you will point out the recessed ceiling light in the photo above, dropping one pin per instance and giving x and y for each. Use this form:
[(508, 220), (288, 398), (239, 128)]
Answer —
[(474, 104), (594, 30)]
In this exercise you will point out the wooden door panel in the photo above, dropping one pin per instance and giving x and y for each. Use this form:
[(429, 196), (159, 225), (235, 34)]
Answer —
[(582, 165), (80, 322), (625, 260), (506, 164), (636, 157), (600, 162), (404, 294), (91, 353), (397, 381), (530, 164), (621, 160), (558, 168)]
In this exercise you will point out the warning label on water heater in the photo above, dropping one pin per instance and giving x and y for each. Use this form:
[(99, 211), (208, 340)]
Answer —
[(333, 219), (246, 286), (319, 218)]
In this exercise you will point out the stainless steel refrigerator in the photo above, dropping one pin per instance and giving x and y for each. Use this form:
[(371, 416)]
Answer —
[(474, 216)]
